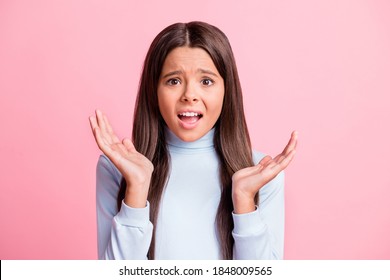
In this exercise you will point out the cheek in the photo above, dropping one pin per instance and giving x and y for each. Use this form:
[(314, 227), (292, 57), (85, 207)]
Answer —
[(165, 105), (218, 101)]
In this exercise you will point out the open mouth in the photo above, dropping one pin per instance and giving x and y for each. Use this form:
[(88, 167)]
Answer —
[(189, 117)]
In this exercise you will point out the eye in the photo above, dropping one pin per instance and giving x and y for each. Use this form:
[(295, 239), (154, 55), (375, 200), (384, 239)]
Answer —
[(207, 82), (173, 82)]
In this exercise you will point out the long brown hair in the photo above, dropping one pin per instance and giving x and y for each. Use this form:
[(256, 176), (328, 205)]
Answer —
[(231, 137)]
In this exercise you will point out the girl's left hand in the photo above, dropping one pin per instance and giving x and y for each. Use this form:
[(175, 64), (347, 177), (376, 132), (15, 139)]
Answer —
[(248, 181)]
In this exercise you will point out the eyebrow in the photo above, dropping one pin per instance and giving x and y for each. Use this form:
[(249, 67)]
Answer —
[(204, 71), (173, 73), (179, 72)]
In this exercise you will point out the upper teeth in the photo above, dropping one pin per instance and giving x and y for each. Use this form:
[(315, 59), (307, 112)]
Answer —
[(189, 114)]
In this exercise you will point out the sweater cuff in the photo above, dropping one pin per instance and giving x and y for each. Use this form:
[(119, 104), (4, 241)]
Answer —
[(133, 217), (248, 223)]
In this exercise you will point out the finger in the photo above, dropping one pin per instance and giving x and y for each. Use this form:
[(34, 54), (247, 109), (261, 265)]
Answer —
[(294, 140), (249, 171), (256, 168), (264, 160), (284, 161), (103, 127), (121, 149), (94, 127), (101, 142), (97, 131), (129, 145), (292, 143), (109, 129), (267, 173), (92, 122), (99, 118), (273, 168)]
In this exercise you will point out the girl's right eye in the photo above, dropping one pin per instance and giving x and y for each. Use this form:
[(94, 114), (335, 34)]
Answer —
[(173, 82)]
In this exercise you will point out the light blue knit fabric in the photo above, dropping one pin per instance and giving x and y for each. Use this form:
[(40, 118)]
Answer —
[(186, 224)]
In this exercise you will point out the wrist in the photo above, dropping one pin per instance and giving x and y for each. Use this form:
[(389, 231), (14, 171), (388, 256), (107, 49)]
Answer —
[(243, 203), (136, 196), (134, 202)]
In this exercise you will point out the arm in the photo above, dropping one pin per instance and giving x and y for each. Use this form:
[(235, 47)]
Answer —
[(121, 235), (259, 229), (260, 234), (127, 234)]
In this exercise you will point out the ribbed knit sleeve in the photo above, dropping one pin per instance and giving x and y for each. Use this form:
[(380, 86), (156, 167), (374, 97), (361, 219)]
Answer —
[(121, 235), (260, 234)]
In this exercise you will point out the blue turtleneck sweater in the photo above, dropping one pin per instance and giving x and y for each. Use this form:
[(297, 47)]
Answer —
[(186, 224)]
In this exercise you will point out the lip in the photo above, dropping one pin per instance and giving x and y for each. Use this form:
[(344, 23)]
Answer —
[(189, 110), (189, 125), (185, 125)]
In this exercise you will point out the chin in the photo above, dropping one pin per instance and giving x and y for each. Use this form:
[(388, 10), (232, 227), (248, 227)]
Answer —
[(188, 138)]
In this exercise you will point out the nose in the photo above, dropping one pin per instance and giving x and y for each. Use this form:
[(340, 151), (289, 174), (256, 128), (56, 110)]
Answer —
[(189, 94)]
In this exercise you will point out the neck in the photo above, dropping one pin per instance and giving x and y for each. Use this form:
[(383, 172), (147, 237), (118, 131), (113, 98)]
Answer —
[(206, 142)]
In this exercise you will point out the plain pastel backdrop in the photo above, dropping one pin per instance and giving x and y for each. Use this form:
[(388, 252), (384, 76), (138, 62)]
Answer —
[(320, 67)]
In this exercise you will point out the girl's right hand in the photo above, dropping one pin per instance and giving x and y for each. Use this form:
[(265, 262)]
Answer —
[(134, 167)]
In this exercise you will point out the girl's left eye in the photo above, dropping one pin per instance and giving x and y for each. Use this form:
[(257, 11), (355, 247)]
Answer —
[(207, 82)]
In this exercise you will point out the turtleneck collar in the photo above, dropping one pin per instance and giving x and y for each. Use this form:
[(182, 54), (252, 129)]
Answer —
[(204, 143)]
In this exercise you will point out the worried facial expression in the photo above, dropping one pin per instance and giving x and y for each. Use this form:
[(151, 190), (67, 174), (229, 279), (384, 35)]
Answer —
[(190, 93)]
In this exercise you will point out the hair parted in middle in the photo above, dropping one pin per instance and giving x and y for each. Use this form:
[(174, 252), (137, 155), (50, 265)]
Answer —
[(231, 137)]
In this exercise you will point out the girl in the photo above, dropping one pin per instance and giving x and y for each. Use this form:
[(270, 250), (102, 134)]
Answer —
[(187, 185)]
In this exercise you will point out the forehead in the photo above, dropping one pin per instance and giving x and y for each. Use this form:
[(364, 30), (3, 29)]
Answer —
[(188, 59)]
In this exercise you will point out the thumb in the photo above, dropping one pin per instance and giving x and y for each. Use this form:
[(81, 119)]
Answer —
[(129, 145), (265, 160)]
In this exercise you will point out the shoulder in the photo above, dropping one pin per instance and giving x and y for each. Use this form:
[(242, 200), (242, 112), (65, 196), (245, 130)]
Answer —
[(106, 172)]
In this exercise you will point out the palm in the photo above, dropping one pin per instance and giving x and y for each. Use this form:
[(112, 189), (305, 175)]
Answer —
[(250, 180), (134, 167)]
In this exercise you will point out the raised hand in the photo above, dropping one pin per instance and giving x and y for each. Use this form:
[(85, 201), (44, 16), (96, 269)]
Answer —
[(135, 167), (248, 181)]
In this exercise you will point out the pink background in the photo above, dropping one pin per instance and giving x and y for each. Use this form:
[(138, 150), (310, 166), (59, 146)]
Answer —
[(321, 67)]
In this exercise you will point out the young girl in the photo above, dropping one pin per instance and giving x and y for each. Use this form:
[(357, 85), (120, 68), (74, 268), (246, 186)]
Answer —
[(188, 186)]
